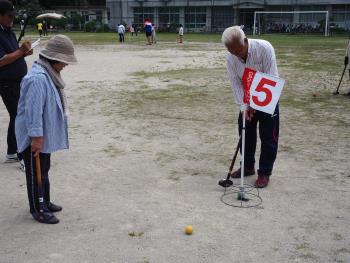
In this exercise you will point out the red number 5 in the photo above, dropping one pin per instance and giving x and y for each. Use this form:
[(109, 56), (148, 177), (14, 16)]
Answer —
[(261, 88)]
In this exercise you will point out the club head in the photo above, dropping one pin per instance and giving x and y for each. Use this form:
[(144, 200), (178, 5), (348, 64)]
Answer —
[(241, 197), (225, 183), (336, 93)]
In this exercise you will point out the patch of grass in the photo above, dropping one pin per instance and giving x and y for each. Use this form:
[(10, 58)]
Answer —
[(293, 42), (183, 73), (308, 256), (301, 246), (136, 234), (337, 236), (343, 250), (112, 151)]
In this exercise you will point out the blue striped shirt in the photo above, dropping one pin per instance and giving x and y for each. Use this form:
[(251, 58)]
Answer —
[(40, 113)]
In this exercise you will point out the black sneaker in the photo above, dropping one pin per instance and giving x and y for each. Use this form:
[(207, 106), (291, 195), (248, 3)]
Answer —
[(54, 208), (45, 217)]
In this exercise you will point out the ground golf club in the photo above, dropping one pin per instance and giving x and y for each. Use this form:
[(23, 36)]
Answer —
[(227, 182)]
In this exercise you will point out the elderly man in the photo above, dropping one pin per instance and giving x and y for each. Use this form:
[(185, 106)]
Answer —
[(259, 55), (12, 69)]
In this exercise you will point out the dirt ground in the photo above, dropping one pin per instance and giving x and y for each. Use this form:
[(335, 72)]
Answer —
[(152, 130)]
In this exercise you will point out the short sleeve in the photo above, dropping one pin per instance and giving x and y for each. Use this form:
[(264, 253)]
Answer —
[(2, 51)]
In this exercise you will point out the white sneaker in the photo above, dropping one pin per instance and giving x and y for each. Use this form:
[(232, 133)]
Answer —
[(22, 165), (11, 158)]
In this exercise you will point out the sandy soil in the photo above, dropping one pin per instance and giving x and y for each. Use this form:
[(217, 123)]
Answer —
[(152, 130)]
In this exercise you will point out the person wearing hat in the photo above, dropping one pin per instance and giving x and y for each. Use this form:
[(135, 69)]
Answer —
[(41, 123), (12, 69)]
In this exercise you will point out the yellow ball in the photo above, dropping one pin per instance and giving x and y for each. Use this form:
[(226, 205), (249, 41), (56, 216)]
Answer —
[(189, 230)]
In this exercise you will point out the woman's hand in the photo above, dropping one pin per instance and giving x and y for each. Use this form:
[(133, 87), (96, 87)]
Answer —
[(37, 145)]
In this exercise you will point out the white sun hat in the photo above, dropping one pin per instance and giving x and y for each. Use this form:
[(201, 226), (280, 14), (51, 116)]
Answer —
[(60, 48)]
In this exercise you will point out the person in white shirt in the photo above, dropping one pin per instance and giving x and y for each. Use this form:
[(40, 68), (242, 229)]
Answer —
[(154, 34), (259, 55), (181, 34), (121, 32), (132, 30)]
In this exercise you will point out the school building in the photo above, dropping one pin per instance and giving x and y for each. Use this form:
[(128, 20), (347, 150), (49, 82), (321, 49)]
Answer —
[(215, 15)]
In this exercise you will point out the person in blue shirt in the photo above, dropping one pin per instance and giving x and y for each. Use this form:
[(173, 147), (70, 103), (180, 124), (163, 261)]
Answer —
[(12, 69), (41, 122), (148, 31)]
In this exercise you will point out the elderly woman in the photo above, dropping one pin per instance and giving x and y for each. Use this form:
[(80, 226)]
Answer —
[(41, 123)]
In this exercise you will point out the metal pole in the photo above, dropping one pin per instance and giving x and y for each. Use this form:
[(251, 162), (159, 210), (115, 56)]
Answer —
[(254, 23), (244, 109), (326, 30)]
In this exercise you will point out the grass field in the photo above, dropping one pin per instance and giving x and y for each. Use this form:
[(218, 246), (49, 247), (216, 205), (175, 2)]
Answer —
[(307, 52)]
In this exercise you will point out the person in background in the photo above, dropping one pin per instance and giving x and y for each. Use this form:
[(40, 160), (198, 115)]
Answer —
[(40, 28), (132, 30), (45, 27), (181, 34), (21, 24), (12, 69), (121, 32), (154, 36), (148, 31), (136, 28)]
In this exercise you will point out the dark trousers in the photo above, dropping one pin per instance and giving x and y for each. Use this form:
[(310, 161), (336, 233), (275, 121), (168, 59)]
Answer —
[(121, 37), (268, 132), (10, 93), (32, 183)]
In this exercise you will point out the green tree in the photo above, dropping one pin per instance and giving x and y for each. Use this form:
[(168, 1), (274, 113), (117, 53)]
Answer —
[(77, 3)]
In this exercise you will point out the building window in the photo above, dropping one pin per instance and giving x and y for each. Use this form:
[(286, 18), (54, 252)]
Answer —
[(279, 18), (141, 13), (85, 15), (222, 17), (341, 13), (98, 16), (169, 16), (195, 17), (312, 18)]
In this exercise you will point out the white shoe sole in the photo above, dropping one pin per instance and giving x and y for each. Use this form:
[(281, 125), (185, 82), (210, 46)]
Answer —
[(11, 161)]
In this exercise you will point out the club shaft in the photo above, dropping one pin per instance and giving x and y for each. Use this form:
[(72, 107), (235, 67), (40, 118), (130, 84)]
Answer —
[(40, 187), (23, 29), (234, 158), (342, 75), (38, 170), (235, 154)]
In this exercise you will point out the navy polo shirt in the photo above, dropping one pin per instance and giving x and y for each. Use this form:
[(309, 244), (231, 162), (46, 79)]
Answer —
[(8, 44)]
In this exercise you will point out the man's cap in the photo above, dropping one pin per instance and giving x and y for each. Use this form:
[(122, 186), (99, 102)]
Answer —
[(6, 7)]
